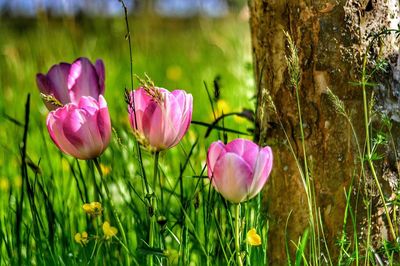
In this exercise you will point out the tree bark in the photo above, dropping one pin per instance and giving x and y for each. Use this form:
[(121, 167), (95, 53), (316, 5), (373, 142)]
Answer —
[(331, 37)]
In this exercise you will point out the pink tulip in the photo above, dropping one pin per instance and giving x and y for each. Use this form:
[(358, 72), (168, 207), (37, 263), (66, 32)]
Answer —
[(162, 118), (239, 169), (82, 130), (69, 82)]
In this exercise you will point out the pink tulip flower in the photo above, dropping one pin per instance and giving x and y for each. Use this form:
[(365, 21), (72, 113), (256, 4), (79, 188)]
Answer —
[(82, 130), (239, 169), (161, 117), (67, 83)]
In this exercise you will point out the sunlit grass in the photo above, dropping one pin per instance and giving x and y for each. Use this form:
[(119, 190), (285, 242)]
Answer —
[(181, 54)]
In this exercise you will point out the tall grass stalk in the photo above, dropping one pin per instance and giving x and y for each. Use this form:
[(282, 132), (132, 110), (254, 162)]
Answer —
[(295, 77), (131, 101), (364, 81)]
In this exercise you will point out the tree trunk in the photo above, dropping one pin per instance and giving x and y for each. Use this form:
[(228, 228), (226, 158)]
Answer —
[(331, 37)]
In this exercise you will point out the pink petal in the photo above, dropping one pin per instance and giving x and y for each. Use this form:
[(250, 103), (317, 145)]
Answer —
[(232, 177), (55, 83), (215, 150), (55, 121), (172, 120), (246, 149), (262, 170), (180, 96), (99, 66), (83, 80), (186, 119), (141, 101), (153, 124), (104, 122), (44, 87)]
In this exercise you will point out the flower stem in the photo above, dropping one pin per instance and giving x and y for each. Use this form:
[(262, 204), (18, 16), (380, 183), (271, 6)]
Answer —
[(121, 228), (237, 235), (152, 210), (157, 175)]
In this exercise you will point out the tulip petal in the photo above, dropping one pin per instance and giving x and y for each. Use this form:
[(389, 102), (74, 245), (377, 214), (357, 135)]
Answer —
[(246, 149), (103, 121), (180, 97), (83, 80), (152, 124), (100, 70), (262, 170), (55, 121), (44, 87), (55, 84), (172, 116), (232, 177), (215, 150), (140, 99), (187, 109)]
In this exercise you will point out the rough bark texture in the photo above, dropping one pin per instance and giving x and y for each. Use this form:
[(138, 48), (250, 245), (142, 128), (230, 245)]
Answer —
[(331, 37)]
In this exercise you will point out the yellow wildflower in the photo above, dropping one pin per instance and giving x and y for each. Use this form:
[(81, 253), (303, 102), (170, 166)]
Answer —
[(253, 238), (93, 209), (105, 169), (108, 230), (221, 108), (82, 239), (4, 184)]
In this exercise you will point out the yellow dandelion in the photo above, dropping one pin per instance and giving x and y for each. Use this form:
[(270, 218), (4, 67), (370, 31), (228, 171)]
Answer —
[(4, 184), (105, 169), (108, 230), (93, 209), (220, 108), (82, 239), (253, 238)]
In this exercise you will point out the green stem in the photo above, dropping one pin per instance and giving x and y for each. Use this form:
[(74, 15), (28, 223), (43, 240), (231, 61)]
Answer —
[(152, 210), (246, 229), (157, 175), (237, 235), (113, 209)]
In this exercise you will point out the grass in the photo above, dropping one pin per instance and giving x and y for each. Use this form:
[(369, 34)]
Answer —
[(42, 190)]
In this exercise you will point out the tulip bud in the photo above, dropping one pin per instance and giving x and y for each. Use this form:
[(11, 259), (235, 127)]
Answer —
[(82, 130), (159, 117), (239, 169)]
